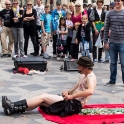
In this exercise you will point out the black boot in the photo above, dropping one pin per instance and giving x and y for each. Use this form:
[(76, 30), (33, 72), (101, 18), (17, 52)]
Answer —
[(4, 98), (14, 107)]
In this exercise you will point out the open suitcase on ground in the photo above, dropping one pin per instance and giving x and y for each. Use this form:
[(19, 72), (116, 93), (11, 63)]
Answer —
[(31, 63)]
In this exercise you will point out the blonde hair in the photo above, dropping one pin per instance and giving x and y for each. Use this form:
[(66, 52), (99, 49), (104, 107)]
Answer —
[(29, 1), (71, 4), (78, 2), (16, 1)]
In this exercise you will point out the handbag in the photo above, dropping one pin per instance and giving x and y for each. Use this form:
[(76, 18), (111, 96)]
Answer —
[(64, 108), (98, 42)]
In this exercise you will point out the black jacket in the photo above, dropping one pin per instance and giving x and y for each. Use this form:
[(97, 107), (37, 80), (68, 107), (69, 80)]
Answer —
[(18, 24), (86, 28), (95, 17)]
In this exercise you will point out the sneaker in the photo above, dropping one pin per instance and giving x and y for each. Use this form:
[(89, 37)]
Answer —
[(66, 57), (58, 58), (95, 60), (106, 61), (110, 83), (54, 56), (4, 55), (48, 55), (9, 55), (100, 61), (45, 56), (15, 56), (24, 56)]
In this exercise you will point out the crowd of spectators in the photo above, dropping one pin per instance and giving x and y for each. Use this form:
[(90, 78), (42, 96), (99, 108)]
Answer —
[(41, 25)]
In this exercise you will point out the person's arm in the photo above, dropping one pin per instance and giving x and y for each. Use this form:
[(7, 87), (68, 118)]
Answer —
[(42, 27), (21, 15), (92, 19), (87, 92), (53, 23), (106, 31), (25, 18), (32, 17), (1, 23), (65, 32), (70, 91), (87, 28), (74, 88)]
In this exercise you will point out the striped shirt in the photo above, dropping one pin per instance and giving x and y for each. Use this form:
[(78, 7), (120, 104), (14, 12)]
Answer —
[(115, 21)]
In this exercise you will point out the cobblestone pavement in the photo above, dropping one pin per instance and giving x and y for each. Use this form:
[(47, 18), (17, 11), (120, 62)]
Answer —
[(18, 86)]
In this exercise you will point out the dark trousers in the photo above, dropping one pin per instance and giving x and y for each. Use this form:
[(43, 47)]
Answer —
[(54, 43), (74, 50), (33, 39), (69, 39), (95, 48), (37, 37)]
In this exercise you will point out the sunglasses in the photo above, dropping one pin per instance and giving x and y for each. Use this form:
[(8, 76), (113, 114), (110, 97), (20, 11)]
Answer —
[(117, 1), (77, 6), (8, 4), (29, 4), (15, 3)]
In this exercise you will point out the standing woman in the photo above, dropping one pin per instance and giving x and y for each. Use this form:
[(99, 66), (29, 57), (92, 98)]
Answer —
[(30, 27), (17, 29), (77, 15), (97, 16)]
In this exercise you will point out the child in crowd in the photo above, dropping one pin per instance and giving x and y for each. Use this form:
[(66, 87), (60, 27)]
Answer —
[(46, 30), (69, 24), (62, 37), (83, 35), (75, 43)]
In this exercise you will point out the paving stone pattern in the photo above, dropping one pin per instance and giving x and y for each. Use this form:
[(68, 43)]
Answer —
[(18, 86)]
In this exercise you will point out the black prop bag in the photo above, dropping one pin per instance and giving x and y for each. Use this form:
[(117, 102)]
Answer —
[(64, 108)]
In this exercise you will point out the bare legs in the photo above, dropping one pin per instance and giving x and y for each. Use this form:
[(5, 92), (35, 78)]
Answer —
[(43, 99)]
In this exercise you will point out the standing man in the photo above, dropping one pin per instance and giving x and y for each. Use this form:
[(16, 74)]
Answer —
[(6, 19), (97, 17), (40, 10), (56, 15), (115, 21)]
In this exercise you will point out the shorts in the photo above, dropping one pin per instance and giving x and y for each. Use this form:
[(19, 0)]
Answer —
[(45, 39)]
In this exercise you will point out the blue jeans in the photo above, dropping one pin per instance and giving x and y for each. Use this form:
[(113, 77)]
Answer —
[(85, 51), (114, 50), (90, 46), (107, 54)]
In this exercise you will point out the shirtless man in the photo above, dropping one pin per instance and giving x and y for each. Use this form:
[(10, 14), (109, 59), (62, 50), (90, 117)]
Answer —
[(82, 91)]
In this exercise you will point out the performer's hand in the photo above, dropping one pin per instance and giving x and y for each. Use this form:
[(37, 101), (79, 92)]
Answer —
[(64, 93), (68, 97)]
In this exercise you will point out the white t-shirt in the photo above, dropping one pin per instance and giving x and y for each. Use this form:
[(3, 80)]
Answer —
[(39, 10), (99, 12)]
